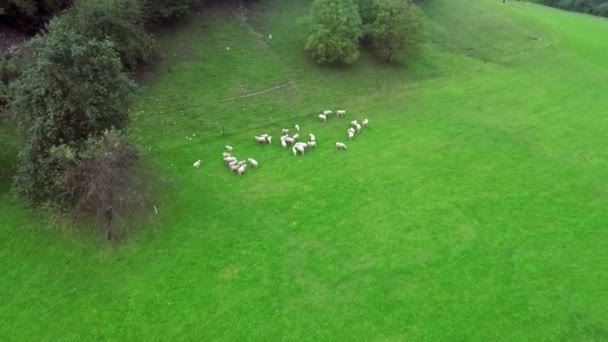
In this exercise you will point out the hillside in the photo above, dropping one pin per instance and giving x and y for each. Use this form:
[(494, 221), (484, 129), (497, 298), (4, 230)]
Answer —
[(474, 207)]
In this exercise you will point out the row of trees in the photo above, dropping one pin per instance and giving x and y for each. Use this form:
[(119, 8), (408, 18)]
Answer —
[(389, 27), (32, 15), (72, 101), (595, 7)]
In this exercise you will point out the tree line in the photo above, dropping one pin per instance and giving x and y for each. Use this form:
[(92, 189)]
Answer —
[(595, 7)]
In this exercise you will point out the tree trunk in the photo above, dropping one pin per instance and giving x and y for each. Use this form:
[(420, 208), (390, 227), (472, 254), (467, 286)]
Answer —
[(109, 214), (388, 58)]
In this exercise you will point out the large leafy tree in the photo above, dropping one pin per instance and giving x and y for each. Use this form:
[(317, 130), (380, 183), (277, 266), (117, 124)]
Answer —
[(117, 20), (397, 27), (335, 31), (75, 90), (30, 15)]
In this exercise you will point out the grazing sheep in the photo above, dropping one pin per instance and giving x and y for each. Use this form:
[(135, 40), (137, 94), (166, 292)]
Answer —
[(301, 144), (311, 137), (241, 162), (296, 136), (295, 152), (327, 112), (229, 159), (354, 123), (283, 143), (284, 131), (228, 148), (300, 149), (253, 162), (241, 169), (340, 146), (351, 130), (259, 140), (358, 127), (225, 155), (312, 144), (340, 113), (264, 135), (235, 167), (351, 135), (323, 117), (234, 162), (197, 164), (297, 127), (289, 140), (365, 122), (269, 139)]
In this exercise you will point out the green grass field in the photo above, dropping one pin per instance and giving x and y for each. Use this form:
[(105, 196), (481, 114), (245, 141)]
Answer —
[(474, 207)]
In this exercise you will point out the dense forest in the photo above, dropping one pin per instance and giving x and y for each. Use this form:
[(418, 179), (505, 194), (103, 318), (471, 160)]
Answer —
[(595, 7)]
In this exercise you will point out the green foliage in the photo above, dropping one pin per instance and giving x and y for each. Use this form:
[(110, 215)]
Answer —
[(30, 15), (116, 20), (595, 7), (160, 11), (397, 27), (75, 89), (335, 31)]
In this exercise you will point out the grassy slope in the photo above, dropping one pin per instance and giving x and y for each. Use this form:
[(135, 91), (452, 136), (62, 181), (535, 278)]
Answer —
[(474, 207)]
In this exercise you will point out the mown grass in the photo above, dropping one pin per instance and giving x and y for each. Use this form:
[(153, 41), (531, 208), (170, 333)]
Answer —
[(473, 208)]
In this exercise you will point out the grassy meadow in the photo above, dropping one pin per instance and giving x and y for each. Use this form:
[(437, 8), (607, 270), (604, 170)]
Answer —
[(473, 207)]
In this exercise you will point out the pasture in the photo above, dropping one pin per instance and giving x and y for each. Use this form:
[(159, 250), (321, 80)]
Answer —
[(473, 207)]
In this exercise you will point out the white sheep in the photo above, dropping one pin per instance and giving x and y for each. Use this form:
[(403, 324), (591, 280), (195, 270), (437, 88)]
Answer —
[(241, 162), (283, 143), (259, 140), (340, 146), (301, 144), (241, 169), (229, 148), (269, 139), (284, 131), (295, 152), (296, 136), (323, 117), (327, 112), (300, 149), (358, 127), (351, 135), (253, 162), (225, 155), (312, 144), (297, 127), (232, 163), (311, 137), (354, 123), (340, 113), (235, 167), (197, 164), (365, 122), (264, 135), (350, 130), (229, 159), (289, 140)]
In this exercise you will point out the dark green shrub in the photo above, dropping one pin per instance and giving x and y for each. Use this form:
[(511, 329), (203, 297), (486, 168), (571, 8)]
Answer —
[(160, 11)]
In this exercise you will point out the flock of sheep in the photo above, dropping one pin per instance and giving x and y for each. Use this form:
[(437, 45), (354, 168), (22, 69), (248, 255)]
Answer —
[(297, 147)]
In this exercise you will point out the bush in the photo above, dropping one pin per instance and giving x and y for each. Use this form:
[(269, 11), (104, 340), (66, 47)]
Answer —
[(76, 89), (99, 178), (335, 31), (160, 11), (10, 69), (397, 27), (117, 20)]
